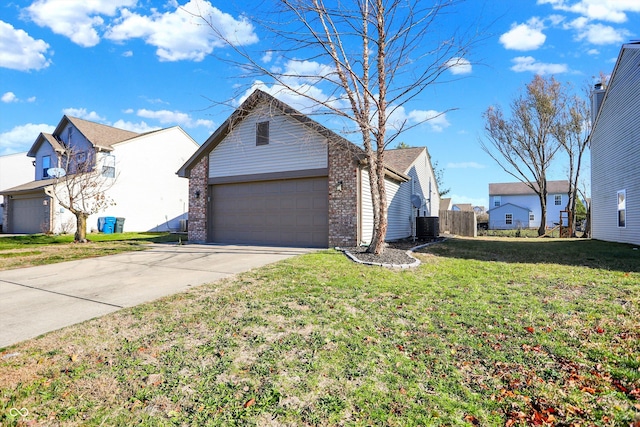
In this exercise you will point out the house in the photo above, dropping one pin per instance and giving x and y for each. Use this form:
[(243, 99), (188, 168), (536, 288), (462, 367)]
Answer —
[(462, 207), (271, 175), (14, 169), (615, 152), (446, 204), (145, 189), (515, 205)]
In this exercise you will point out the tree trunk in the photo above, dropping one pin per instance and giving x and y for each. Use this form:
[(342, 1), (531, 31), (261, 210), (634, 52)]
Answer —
[(543, 216), (81, 228), (380, 232)]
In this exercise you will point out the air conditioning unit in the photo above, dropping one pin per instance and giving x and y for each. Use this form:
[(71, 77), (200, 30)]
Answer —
[(184, 224)]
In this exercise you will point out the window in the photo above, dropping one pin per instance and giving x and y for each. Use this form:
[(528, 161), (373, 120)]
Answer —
[(622, 208), (496, 201), (508, 219), (558, 199), (109, 166), (46, 164), (262, 133), (532, 217), (69, 135), (81, 157)]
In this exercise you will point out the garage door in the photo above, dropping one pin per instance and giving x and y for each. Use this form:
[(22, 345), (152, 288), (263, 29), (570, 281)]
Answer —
[(27, 215), (291, 212)]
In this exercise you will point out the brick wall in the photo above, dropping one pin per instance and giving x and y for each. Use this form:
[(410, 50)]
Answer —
[(198, 201), (343, 204)]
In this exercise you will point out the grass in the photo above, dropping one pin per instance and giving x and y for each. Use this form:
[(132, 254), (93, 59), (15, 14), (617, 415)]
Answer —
[(485, 332), (39, 249)]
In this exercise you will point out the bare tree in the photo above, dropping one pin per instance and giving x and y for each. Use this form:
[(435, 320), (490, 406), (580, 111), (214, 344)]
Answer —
[(371, 56), (80, 185), (524, 144), (572, 132)]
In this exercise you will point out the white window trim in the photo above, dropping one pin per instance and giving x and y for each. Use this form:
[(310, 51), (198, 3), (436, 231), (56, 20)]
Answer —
[(506, 221), (621, 198), (557, 200)]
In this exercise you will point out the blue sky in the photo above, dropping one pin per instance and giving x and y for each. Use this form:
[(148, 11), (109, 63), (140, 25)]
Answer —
[(146, 64)]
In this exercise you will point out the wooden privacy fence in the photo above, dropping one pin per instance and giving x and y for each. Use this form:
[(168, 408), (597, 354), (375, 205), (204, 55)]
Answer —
[(459, 223)]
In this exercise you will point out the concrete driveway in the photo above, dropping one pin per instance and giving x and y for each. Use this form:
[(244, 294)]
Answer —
[(41, 299)]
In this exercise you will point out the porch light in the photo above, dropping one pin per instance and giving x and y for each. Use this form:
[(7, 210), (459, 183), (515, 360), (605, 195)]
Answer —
[(339, 186)]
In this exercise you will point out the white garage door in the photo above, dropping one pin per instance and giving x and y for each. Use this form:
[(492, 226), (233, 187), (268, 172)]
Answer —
[(292, 212), (28, 214)]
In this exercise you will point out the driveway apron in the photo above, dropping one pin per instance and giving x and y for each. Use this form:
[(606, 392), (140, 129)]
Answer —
[(36, 300)]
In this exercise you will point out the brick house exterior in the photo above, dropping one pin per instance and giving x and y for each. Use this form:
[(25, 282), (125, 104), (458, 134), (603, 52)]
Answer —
[(303, 186)]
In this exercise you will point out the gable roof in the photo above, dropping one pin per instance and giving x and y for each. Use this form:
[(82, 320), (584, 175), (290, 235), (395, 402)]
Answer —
[(402, 158), (258, 97), (511, 205), (101, 136), (614, 73), (520, 188)]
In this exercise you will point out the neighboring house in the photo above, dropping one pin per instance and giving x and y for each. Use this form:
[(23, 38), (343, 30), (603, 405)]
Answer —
[(462, 207), (515, 205), (14, 169), (147, 193), (615, 153), (271, 175), (445, 204)]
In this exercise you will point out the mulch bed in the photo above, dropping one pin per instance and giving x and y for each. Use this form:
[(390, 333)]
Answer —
[(395, 252)]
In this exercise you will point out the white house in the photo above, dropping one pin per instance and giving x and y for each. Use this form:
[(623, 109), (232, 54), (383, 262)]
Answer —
[(615, 152), (14, 169), (146, 191), (515, 205), (271, 175)]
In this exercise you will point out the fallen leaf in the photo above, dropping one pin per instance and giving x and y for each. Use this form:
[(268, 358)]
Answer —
[(250, 402), (599, 330), (530, 329), (471, 419)]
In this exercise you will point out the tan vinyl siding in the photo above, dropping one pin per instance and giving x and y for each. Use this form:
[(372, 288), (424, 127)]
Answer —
[(366, 208), (615, 154), (291, 147), (399, 213)]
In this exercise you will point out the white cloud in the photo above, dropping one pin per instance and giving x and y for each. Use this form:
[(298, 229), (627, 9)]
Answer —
[(79, 20), (459, 66), (593, 52), (174, 117), (140, 127), (399, 117), (465, 165), (267, 57), (20, 51), (603, 10), (82, 113), (22, 137), (9, 97), (528, 63), (600, 34), (127, 54), (182, 34), (527, 36)]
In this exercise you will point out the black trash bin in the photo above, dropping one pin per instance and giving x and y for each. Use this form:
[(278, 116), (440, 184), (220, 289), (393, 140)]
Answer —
[(119, 225)]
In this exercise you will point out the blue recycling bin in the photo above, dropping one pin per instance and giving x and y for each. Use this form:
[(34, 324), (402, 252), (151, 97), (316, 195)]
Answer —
[(109, 224)]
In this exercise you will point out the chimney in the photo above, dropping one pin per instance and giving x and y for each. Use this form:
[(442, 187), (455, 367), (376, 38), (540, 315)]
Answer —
[(597, 95)]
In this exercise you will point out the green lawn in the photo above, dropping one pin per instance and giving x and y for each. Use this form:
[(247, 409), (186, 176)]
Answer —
[(37, 249), (485, 332)]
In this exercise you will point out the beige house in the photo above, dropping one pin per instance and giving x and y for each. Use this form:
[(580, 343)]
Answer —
[(271, 175)]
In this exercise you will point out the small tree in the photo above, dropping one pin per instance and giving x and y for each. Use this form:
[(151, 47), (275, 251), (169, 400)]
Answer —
[(524, 144), (80, 186), (572, 132)]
